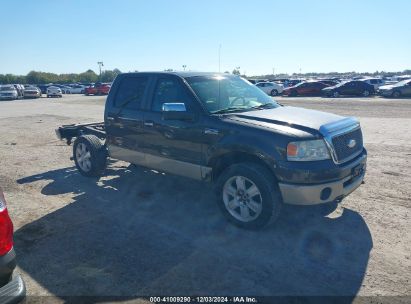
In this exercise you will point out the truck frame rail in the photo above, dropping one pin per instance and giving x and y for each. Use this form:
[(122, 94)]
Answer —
[(68, 132)]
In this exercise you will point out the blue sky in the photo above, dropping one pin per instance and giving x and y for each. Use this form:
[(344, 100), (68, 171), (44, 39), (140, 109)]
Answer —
[(312, 35)]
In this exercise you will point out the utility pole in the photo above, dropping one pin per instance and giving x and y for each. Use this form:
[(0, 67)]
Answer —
[(100, 64)]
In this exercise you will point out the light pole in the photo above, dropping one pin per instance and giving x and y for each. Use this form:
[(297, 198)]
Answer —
[(100, 64)]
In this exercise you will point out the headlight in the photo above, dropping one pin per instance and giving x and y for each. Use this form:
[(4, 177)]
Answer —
[(309, 150)]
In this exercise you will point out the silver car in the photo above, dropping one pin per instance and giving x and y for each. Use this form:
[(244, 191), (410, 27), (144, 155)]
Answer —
[(8, 92), (54, 92), (32, 92)]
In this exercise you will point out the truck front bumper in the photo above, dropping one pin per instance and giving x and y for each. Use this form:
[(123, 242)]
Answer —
[(303, 194)]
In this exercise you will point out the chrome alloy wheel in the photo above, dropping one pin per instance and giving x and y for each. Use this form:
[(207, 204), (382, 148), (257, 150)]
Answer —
[(242, 198), (83, 157)]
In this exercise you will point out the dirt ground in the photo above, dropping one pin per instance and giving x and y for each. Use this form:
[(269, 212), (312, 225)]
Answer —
[(136, 232)]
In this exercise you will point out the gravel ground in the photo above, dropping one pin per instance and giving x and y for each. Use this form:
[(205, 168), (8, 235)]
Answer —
[(137, 232)]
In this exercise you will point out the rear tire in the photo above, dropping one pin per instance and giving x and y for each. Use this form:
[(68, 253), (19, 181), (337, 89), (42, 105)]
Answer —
[(90, 155), (253, 204), (366, 93), (336, 94), (274, 93)]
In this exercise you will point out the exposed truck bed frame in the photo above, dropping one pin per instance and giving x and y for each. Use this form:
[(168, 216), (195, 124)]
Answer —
[(68, 132)]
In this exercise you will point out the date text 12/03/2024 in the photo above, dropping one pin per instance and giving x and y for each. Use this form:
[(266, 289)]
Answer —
[(203, 299)]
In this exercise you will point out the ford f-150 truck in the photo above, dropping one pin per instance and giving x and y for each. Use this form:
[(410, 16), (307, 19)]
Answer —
[(222, 129)]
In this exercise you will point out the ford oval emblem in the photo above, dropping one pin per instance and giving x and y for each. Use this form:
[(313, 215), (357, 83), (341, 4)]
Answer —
[(351, 143)]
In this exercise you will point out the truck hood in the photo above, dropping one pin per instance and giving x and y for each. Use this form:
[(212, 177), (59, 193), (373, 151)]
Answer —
[(292, 117)]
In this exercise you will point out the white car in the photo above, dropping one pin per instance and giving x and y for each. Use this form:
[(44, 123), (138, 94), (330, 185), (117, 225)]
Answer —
[(76, 89), (8, 92), (271, 88), (54, 91), (376, 82)]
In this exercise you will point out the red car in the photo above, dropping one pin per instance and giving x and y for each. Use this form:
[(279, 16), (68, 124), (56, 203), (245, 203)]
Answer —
[(12, 287), (310, 88), (98, 89)]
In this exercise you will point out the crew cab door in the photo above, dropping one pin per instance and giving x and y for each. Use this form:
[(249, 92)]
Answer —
[(173, 145), (124, 119)]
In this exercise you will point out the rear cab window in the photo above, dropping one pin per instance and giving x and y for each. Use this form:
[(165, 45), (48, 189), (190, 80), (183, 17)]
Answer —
[(130, 92)]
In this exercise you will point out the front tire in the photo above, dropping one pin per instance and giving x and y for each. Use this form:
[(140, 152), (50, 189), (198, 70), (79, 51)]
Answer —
[(366, 93), (396, 94), (336, 94), (90, 156), (293, 93), (248, 195)]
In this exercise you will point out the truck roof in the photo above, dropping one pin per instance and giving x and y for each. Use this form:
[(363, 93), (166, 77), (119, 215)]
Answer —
[(181, 73)]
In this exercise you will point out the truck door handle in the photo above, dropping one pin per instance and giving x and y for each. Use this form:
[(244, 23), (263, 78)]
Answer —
[(148, 124)]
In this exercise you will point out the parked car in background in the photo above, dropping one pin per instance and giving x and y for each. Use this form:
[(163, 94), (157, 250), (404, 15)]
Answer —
[(328, 82), (98, 89), (271, 88), (54, 91), (8, 91), (86, 84), (12, 288), (353, 87), (76, 89), (62, 87), (292, 82), (376, 82), (20, 90), (402, 88), (43, 88), (309, 88), (32, 92)]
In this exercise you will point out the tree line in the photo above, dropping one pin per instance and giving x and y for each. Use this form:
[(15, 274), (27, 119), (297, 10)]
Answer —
[(35, 77)]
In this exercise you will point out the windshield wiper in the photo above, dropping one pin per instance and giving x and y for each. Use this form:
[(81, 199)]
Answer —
[(263, 106), (228, 110)]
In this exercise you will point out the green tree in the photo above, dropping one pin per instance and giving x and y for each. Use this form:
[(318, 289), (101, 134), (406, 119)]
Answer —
[(108, 75), (88, 76)]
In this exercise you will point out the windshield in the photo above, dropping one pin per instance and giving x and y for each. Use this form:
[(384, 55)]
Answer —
[(401, 83), (220, 93), (8, 88)]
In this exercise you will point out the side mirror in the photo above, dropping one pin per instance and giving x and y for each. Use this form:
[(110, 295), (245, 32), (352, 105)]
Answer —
[(176, 111)]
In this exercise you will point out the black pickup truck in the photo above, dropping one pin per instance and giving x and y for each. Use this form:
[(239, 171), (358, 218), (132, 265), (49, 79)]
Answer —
[(222, 129)]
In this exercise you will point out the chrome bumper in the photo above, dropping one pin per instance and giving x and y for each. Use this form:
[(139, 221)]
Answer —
[(311, 194)]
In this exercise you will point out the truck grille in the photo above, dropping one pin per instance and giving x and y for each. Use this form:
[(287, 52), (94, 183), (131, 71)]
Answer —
[(341, 145)]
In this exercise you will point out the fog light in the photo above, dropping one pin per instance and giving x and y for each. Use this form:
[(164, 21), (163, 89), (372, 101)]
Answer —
[(325, 193)]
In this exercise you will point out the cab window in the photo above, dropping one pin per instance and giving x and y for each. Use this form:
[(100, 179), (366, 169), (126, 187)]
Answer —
[(131, 92), (168, 90)]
